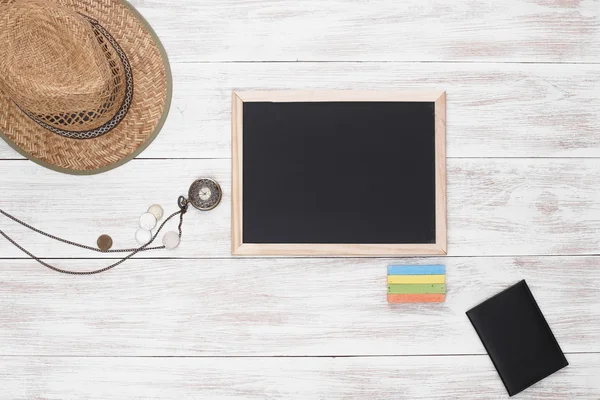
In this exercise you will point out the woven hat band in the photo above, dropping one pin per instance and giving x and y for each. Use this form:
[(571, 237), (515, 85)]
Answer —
[(63, 69)]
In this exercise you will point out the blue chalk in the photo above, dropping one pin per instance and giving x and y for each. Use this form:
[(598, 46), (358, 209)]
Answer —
[(416, 270)]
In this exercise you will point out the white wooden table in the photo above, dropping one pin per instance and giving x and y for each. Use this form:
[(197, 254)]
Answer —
[(523, 83)]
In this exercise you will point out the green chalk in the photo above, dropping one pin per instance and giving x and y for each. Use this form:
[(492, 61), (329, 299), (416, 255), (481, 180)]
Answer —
[(417, 289)]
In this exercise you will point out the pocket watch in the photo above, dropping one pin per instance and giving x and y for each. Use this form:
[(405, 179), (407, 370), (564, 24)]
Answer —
[(205, 194)]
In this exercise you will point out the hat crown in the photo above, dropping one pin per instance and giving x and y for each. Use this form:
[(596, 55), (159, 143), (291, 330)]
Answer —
[(58, 66)]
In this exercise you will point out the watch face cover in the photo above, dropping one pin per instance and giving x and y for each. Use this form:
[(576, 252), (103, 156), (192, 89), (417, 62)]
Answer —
[(517, 338)]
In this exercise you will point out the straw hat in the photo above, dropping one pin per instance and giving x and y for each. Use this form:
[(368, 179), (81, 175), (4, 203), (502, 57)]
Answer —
[(85, 85)]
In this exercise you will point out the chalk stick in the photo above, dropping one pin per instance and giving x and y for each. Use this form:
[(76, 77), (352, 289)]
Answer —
[(399, 279), (416, 270), (417, 289), (416, 298)]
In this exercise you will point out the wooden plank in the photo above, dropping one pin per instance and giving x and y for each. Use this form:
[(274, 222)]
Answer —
[(337, 307), (441, 202), (467, 377), (495, 207), (294, 96), (378, 30), (336, 249), (493, 110), (82, 209), (237, 172)]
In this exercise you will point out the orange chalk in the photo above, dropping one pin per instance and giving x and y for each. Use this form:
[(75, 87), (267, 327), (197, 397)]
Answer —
[(416, 298)]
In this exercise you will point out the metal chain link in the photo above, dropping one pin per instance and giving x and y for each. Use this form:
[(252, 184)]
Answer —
[(183, 205)]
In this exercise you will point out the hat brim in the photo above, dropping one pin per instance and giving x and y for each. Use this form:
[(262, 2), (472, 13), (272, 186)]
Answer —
[(153, 88)]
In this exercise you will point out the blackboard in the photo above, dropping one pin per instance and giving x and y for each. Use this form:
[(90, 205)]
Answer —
[(338, 173)]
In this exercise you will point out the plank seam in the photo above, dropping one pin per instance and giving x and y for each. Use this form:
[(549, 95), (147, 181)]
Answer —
[(309, 258), (259, 357)]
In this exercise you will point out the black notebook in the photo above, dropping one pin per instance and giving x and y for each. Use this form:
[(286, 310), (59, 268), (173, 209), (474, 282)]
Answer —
[(517, 338)]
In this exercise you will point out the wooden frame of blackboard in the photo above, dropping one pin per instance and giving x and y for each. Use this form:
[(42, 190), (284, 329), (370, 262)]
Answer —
[(239, 248)]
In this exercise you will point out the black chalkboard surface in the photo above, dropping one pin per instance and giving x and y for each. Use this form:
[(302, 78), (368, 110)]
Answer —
[(339, 173)]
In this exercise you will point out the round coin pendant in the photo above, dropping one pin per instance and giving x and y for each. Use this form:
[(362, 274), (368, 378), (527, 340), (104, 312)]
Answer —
[(104, 242), (205, 194)]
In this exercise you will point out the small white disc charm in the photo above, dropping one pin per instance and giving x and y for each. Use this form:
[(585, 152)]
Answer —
[(143, 236), (157, 211), (147, 221), (171, 240)]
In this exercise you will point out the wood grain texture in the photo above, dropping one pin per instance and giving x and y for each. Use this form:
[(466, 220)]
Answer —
[(495, 207), (522, 80), (377, 30), (337, 249), (237, 172), (441, 212), (294, 96), (283, 307), (380, 378), (493, 110)]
